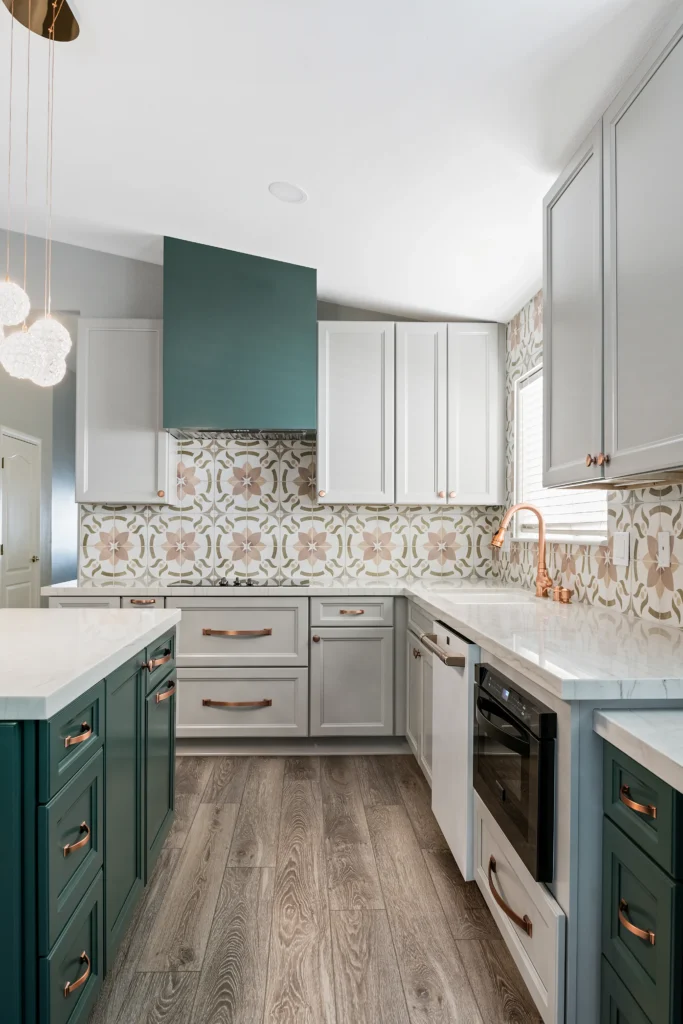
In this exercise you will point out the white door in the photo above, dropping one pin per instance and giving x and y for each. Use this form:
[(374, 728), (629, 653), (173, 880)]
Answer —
[(122, 454), (356, 412), (421, 398), (20, 497), (352, 681), (476, 420)]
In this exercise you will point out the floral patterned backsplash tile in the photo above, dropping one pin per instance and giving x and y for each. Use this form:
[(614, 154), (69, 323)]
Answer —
[(589, 570), (249, 508)]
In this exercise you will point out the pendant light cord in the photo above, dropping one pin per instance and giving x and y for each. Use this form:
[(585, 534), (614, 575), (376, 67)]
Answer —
[(51, 133), (28, 111), (9, 140)]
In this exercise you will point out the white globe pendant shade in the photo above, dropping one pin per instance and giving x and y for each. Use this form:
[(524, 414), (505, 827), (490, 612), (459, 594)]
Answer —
[(51, 372), (15, 304), (22, 355), (53, 334)]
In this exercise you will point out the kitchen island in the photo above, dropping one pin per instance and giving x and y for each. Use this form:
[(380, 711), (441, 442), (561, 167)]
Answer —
[(87, 742)]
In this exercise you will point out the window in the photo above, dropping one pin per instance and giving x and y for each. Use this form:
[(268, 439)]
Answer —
[(569, 513)]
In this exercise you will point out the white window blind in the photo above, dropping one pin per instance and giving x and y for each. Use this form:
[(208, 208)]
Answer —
[(569, 512)]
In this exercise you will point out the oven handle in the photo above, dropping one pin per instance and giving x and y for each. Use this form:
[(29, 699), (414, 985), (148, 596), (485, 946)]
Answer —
[(519, 744)]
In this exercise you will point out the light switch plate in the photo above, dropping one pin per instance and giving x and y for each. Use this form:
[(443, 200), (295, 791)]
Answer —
[(622, 548), (663, 550)]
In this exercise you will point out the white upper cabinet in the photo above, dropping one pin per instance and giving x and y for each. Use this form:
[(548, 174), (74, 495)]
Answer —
[(421, 413), (476, 417), (356, 412), (572, 320), (122, 454), (643, 154)]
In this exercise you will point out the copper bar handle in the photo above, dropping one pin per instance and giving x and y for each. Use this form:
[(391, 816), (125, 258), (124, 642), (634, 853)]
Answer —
[(649, 809), (265, 703), (143, 600), (522, 922), (155, 662), (352, 611), (70, 847), (429, 641), (71, 986), (71, 741), (640, 933), (166, 694), (238, 632)]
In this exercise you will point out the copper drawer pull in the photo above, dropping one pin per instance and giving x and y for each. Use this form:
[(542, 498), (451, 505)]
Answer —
[(155, 662), (265, 703), (237, 632), (70, 847), (648, 809), (71, 986), (522, 922), (166, 694), (143, 600), (640, 933), (352, 611), (71, 741)]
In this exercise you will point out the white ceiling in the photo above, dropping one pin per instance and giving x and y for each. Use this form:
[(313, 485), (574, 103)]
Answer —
[(425, 133)]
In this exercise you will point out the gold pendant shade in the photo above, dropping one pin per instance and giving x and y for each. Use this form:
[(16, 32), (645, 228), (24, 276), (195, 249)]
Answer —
[(66, 26)]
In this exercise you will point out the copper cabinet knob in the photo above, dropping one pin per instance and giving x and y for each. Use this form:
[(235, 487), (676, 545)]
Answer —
[(451, 494), (316, 639), (442, 494), (591, 460), (322, 493), (161, 494), (603, 459)]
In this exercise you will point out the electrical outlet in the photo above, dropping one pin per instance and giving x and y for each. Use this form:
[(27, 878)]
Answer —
[(622, 548), (663, 550)]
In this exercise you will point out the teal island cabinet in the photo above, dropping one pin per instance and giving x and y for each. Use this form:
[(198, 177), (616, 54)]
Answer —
[(86, 801)]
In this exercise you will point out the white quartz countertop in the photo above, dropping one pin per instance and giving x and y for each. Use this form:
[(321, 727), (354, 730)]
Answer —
[(575, 651), (652, 738), (51, 656)]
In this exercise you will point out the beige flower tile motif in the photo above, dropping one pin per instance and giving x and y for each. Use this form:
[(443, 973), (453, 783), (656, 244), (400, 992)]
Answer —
[(438, 549), (312, 546), (298, 478), (247, 478), (195, 477), (481, 532), (608, 585), (113, 544), (248, 545), (377, 546), (181, 546), (662, 583)]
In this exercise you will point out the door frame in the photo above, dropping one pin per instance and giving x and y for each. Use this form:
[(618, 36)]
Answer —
[(19, 435)]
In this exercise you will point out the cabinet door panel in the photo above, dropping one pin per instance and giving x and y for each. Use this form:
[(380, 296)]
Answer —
[(421, 398), (476, 385), (352, 682), (414, 695), (159, 768), (356, 412), (122, 454), (643, 152), (572, 319), (427, 731)]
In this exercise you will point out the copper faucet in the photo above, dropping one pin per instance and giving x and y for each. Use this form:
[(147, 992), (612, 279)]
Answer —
[(543, 580)]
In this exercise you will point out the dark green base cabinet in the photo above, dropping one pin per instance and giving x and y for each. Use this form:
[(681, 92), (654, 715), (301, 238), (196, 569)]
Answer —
[(86, 802), (642, 926)]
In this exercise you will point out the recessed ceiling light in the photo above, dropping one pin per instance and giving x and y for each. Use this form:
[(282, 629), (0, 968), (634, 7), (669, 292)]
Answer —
[(287, 192)]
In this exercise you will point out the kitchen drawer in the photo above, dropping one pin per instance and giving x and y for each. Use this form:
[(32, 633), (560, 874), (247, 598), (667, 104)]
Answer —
[(265, 631), (70, 845), (650, 969), (656, 825), (286, 690), (69, 739), (352, 611), (161, 659), (418, 620), (83, 936), (617, 1005), (540, 955), (85, 602), (143, 601)]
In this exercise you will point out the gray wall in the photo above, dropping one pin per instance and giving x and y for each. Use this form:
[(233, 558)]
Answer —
[(84, 283), (64, 507)]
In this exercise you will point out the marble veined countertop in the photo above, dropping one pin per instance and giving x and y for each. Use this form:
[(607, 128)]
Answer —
[(51, 656), (575, 651), (653, 738)]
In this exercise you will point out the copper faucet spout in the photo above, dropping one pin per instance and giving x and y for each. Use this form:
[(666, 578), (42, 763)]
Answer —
[(543, 580)]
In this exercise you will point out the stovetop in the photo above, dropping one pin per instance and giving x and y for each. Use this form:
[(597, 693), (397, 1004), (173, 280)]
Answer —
[(247, 581)]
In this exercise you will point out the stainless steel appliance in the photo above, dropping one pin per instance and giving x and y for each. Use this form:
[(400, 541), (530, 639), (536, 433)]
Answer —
[(514, 766)]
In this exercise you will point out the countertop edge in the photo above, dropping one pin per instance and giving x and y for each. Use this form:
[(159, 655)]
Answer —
[(615, 727)]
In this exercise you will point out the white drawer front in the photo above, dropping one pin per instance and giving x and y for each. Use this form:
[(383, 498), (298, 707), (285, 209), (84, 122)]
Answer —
[(539, 956), (85, 602), (266, 631), (143, 601), (274, 702), (418, 621), (352, 611)]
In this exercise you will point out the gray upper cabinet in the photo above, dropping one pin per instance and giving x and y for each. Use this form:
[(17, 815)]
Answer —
[(643, 155), (572, 328)]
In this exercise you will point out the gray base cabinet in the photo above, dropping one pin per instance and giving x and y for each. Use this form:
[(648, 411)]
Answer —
[(352, 681), (419, 702)]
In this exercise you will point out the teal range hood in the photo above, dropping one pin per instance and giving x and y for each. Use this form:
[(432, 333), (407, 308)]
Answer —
[(240, 341)]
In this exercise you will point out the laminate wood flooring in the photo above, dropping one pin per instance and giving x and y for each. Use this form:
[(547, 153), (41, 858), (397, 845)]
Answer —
[(310, 890)]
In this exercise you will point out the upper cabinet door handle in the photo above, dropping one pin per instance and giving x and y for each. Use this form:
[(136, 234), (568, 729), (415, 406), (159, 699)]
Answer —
[(71, 741), (238, 632), (591, 459), (603, 459), (649, 809)]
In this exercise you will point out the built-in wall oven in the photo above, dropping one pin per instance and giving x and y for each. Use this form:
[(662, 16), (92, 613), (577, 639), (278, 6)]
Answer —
[(514, 766)]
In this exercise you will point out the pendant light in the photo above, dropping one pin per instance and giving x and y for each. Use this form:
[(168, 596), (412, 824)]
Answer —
[(14, 302)]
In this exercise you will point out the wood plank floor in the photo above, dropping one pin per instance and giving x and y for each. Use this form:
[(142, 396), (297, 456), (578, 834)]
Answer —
[(310, 890)]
